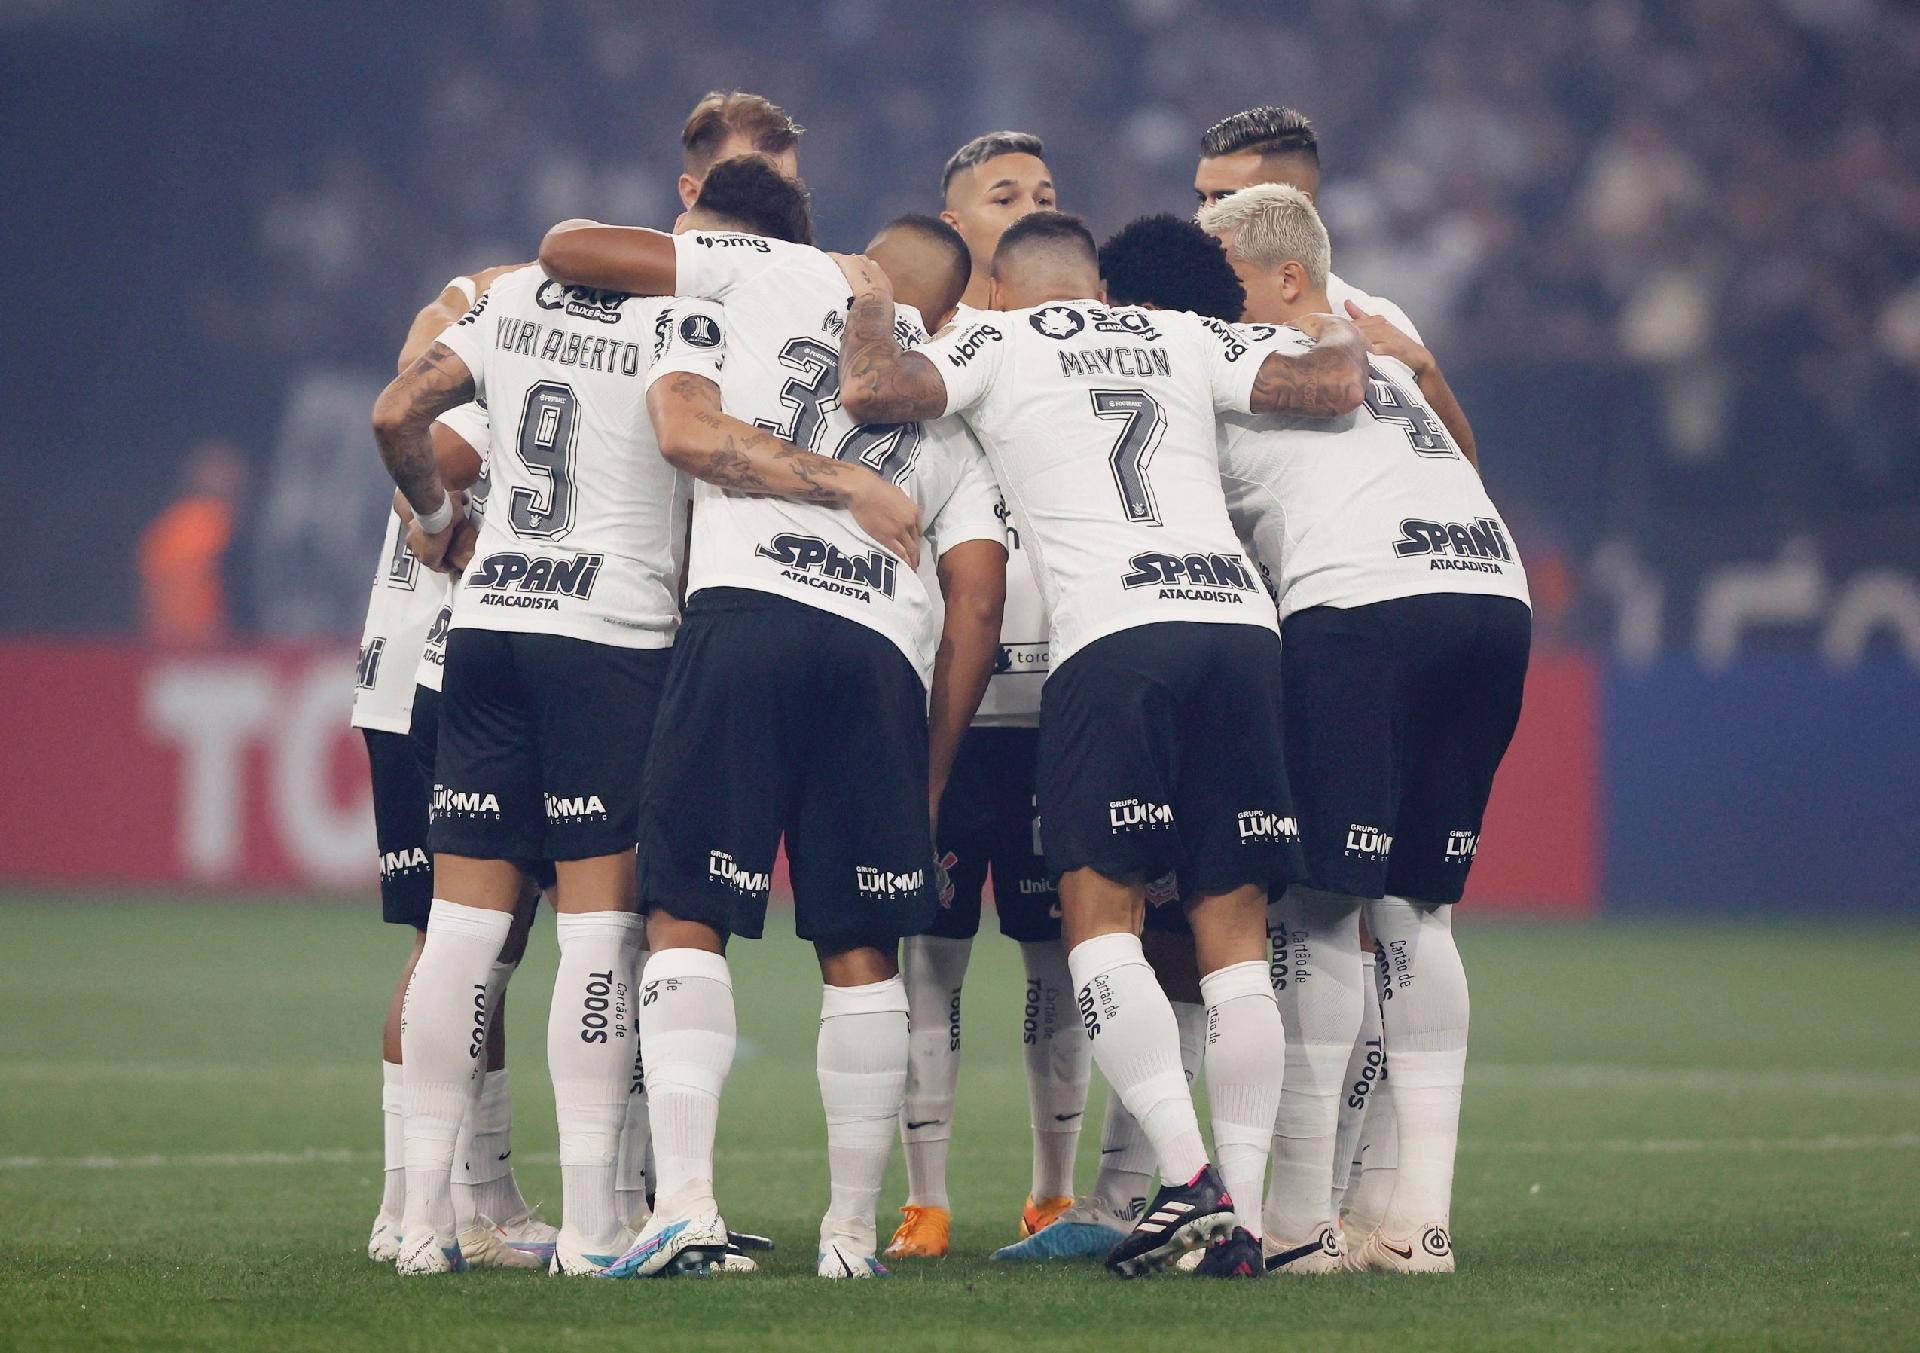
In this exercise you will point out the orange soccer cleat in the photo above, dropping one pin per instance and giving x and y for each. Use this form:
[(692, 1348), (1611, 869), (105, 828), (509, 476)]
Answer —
[(1039, 1215), (923, 1235)]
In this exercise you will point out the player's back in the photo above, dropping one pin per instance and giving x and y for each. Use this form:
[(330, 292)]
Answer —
[(1101, 425), (1372, 505), (786, 308), (585, 517)]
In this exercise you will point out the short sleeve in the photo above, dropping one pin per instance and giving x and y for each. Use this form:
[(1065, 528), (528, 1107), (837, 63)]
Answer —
[(1233, 354), (689, 336), (466, 339), (973, 511), (711, 263), (469, 423), (967, 358)]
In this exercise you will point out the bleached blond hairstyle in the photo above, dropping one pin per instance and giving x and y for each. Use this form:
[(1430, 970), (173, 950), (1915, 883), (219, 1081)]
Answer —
[(1270, 224)]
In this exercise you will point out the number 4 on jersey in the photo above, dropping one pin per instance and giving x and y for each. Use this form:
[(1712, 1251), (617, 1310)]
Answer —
[(1389, 402)]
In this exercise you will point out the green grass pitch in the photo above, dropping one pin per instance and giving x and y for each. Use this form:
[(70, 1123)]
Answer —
[(1675, 1137)]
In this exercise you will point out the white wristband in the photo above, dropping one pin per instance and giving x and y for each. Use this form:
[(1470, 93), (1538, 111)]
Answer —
[(438, 520), (464, 285)]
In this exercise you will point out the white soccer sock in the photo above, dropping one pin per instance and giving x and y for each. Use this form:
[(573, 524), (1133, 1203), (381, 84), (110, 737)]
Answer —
[(1059, 1064), (1136, 1043), (1127, 1164), (933, 969), (483, 1184), (1191, 1016), (590, 1041), (1245, 1060), (1366, 1066), (688, 1035), (1370, 1186), (1425, 1016), (636, 1133), (1318, 984), (862, 1060), (393, 1191), (443, 1044)]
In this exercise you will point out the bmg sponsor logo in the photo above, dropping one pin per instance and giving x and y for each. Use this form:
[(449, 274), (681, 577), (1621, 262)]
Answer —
[(720, 866), (753, 242), (1127, 815), (820, 564), (887, 883)]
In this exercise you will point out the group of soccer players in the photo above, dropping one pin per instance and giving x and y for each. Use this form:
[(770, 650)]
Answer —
[(995, 536)]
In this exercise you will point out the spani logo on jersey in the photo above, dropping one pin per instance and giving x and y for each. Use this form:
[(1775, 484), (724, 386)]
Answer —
[(369, 667), (581, 302), (1192, 577), (536, 583), (1478, 546), (816, 563)]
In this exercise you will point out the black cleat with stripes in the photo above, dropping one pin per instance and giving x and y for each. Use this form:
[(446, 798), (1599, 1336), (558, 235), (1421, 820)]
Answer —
[(1181, 1217)]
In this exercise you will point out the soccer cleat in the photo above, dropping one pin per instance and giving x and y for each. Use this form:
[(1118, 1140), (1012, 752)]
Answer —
[(747, 1240), (684, 1237), (1039, 1214), (1084, 1231), (1181, 1217), (1238, 1256), (1324, 1253), (923, 1235), (428, 1255), (842, 1258), (383, 1246), (527, 1241), (573, 1258), (1429, 1252)]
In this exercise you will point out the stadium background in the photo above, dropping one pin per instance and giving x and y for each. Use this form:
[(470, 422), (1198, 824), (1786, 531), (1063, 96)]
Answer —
[(1669, 254)]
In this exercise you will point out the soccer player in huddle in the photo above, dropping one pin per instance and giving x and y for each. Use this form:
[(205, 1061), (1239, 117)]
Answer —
[(1159, 723), (1405, 615), (798, 703), (987, 821)]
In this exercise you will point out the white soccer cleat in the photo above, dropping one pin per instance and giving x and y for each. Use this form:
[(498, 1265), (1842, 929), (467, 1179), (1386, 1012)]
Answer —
[(574, 1258), (1324, 1252), (685, 1236), (845, 1257), (383, 1246), (429, 1255), (1430, 1251), (526, 1242)]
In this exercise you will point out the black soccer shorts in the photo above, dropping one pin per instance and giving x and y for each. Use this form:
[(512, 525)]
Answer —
[(1160, 754), (543, 739), (400, 795), (1397, 716), (781, 718), (989, 823)]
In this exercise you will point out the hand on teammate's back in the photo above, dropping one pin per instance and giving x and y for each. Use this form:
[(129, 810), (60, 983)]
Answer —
[(886, 513), (864, 275), (1386, 338)]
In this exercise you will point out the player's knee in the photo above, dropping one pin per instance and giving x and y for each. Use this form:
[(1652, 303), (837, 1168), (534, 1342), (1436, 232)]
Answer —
[(843, 965)]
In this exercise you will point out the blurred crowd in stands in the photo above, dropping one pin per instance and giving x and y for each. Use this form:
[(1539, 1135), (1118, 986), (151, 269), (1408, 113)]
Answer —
[(1668, 250)]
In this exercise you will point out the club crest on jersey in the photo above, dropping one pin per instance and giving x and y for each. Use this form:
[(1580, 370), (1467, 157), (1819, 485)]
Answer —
[(700, 331), (513, 579), (1057, 321), (581, 302), (813, 562), (1192, 577), (1478, 546)]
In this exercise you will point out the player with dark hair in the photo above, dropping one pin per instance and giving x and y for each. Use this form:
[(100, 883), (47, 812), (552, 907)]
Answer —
[(1168, 263), (728, 123), (1159, 725), (987, 821), (799, 705)]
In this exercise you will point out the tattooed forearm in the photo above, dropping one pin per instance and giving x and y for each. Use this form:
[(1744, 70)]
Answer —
[(712, 445), (1328, 380), (878, 382), (403, 421)]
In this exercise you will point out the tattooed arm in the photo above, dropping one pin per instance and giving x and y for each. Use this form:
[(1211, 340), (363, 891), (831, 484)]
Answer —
[(632, 259), (402, 425), (697, 436), (1324, 382), (879, 383), (446, 309)]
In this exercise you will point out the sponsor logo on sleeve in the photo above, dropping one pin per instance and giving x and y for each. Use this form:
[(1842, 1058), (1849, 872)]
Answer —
[(971, 343), (700, 331), (716, 241)]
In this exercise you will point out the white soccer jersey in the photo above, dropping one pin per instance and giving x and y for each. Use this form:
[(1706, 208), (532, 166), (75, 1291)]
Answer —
[(406, 597), (470, 422), (1367, 507), (586, 518), (1012, 698), (786, 306), (1339, 292), (1100, 423)]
